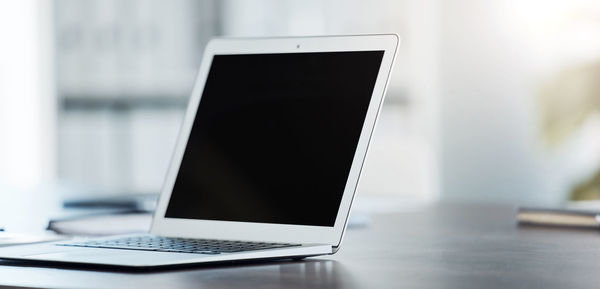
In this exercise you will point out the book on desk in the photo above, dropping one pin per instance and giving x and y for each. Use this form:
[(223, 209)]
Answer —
[(567, 217)]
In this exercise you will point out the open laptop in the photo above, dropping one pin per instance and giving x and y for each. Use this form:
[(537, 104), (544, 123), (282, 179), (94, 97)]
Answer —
[(268, 158)]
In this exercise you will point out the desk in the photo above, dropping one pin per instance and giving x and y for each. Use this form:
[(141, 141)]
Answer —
[(440, 246)]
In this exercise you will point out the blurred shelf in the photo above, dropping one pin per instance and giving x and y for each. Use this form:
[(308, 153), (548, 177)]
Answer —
[(125, 103)]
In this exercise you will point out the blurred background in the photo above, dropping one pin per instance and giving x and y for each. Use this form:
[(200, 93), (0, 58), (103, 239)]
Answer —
[(494, 101)]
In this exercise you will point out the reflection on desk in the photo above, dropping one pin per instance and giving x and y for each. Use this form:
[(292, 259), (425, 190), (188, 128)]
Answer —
[(305, 274)]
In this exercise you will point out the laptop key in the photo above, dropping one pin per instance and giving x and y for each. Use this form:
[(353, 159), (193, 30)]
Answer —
[(178, 245)]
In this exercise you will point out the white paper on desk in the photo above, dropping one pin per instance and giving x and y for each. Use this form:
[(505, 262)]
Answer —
[(104, 225)]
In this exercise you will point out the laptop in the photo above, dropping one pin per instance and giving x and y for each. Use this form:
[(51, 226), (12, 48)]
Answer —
[(268, 157)]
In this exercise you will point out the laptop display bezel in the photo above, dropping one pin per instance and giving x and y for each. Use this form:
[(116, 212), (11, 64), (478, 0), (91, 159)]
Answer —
[(192, 228)]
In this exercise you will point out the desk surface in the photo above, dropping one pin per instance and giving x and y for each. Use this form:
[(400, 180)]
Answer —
[(441, 246)]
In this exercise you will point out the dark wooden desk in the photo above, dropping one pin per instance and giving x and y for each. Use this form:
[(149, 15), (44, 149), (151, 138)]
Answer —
[(442, 246)]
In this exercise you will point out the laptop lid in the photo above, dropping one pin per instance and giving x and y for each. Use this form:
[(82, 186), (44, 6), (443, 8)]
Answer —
[(274, 138)]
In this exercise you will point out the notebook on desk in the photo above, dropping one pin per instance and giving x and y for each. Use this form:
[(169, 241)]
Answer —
[(268, 157)]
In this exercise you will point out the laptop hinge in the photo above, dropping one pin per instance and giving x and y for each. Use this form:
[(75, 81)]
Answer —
[(334, 249)]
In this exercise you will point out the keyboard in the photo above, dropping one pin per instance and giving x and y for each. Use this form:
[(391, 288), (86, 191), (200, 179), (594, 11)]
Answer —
[(177, 245)]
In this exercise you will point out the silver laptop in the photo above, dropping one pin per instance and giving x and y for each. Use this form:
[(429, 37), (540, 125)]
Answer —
[(268, 159)]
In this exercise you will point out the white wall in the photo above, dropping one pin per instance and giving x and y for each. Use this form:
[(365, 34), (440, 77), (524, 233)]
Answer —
[(26, 93), (495, 55)]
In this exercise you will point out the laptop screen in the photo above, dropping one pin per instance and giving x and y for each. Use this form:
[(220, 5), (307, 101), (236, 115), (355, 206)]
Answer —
[(274, 137)]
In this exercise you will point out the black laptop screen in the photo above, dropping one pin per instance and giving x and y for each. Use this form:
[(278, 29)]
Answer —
[(274, 137)]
